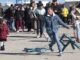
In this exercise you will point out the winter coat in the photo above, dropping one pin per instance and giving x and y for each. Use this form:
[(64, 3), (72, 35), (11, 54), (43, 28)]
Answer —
[(3, 31)]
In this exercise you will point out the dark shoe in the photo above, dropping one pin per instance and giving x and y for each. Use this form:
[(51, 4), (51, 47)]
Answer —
[(51, 48), (2, 48), (28, 30), (40, 36)]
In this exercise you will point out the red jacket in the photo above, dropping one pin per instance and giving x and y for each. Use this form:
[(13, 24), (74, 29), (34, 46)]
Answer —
[(3, 31)]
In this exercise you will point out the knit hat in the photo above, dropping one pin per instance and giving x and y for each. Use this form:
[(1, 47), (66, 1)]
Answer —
[(54, 0), (40, 3)]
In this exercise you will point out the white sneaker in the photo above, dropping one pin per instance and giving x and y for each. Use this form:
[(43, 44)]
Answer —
[(32, 30), (18, 31), (61, 53), (38, 36)]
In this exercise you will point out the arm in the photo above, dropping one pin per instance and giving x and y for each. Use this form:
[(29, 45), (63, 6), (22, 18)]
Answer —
[(72, 13), (44, 27), (61, 22)]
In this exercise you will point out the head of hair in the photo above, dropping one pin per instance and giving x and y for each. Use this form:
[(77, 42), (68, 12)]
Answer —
[(54, 0), (40, 4), (50, 7), (33, 2)]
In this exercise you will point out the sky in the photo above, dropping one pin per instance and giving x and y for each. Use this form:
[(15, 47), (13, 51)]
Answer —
[(13, 1)]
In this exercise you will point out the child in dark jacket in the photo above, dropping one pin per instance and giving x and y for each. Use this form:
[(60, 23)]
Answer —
[(3, 33)]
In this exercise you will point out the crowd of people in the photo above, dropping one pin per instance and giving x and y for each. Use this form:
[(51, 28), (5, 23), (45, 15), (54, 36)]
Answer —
[(24, 16), (34, 17)]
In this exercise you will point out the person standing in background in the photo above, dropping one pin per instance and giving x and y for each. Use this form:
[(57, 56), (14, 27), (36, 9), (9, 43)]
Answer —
[(1, 10), (19, 19), (64, 14), (77, 30), (27, 18), (33, 15), (40, 12), (9, 16)]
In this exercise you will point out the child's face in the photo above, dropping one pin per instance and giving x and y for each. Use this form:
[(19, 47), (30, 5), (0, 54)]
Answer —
[(50, 11)]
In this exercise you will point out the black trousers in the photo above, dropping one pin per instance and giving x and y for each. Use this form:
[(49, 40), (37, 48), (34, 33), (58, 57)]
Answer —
[(40, 25), (28, 24), (33, 23)]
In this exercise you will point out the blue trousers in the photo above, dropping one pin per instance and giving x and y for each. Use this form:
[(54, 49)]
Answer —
[(11, 24), (55, 39)]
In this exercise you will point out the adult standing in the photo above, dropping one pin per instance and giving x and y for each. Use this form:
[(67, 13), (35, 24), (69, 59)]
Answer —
[(27, 18), (33, 15), (9, 16), (40, 12), (1, 10), (19, 19), (56, 6), (64, 14)]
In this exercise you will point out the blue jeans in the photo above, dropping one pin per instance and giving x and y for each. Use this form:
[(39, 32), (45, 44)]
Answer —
[(55, 39), (11, 24)]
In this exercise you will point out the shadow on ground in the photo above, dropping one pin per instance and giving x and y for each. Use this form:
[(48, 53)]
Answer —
[(23, 36), (39, 41)]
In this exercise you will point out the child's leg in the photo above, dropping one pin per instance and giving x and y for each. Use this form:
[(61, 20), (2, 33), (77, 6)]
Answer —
[(2, 46), (1, 43)]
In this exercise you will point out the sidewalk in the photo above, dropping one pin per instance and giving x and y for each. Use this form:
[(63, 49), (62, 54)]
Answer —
[(17, 42)]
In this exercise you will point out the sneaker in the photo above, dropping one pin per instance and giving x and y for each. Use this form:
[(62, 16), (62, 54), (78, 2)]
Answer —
[(2, 48), (32, 30), (51, 49), (18, 31), (38, 36), (60, 53)]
